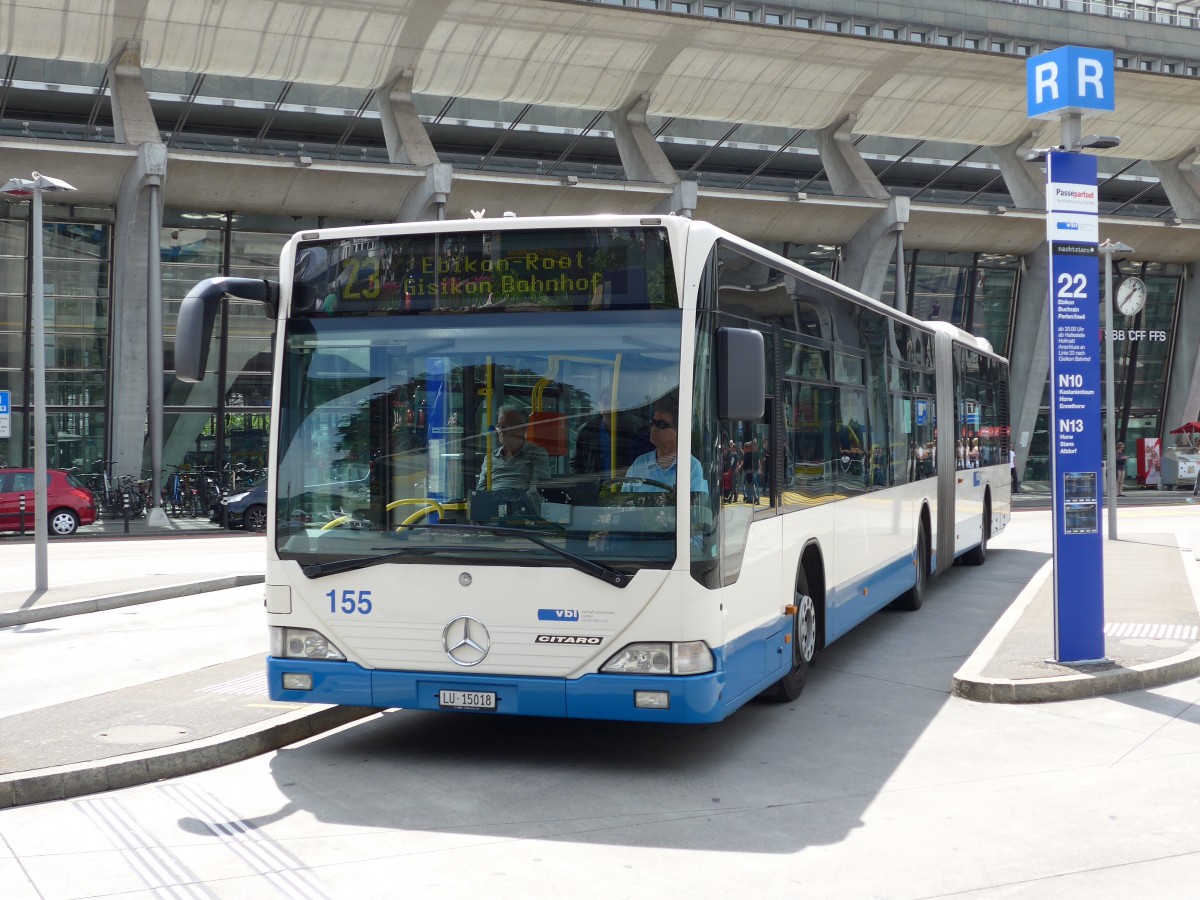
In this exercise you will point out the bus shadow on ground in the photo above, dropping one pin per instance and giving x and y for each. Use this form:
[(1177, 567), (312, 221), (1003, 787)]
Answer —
[(772, 778)]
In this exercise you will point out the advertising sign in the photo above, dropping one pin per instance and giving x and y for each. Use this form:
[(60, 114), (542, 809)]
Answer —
[(1075, 406), (1149, 461)]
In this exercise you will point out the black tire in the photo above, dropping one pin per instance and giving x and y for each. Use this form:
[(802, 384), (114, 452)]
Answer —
[(977, 555), (911, 600), (804, 646), (63, 522), (255, 518)]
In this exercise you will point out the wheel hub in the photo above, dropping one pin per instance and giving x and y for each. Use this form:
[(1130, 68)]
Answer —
[(806, 628)]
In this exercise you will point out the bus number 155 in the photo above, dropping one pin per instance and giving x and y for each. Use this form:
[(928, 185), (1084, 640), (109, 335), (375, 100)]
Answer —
[(352, 601)]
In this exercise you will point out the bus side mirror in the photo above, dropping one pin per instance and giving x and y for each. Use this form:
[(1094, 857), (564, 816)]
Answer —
[(741, 374), (198, 312)]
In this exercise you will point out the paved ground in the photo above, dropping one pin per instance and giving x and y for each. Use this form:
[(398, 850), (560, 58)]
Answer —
[(102, 742), (120, 568)]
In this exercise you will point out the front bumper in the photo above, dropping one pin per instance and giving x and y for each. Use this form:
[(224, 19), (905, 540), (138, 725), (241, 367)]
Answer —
[(694, 699)]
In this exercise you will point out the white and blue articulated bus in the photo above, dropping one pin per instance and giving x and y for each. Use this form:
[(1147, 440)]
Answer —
[(607, 467)]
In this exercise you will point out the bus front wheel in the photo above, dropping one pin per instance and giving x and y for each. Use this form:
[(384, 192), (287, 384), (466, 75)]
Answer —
[(804, 645)]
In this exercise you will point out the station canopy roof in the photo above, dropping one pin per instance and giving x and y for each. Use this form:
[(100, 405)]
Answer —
[(525, 86)]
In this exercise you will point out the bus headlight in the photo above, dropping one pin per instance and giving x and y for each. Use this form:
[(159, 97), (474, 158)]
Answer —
[(301, 643), (661, 658)]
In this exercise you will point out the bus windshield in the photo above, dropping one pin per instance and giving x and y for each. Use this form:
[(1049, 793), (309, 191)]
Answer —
[(475, 438)]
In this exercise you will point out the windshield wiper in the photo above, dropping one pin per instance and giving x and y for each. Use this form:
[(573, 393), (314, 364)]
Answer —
[(607, 574), (334, 566)]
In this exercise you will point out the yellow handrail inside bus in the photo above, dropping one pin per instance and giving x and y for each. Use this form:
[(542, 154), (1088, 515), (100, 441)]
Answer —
[(612, 415), (431, 505), (412, 501), (487, 423), (553, 366)]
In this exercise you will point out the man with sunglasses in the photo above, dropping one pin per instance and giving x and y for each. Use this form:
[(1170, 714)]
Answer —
[(660, 463)]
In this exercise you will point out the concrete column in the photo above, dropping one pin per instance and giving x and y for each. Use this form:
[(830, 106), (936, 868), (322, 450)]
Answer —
[(1026, 182), (133, 119), (135, 125), (640, 154), (1183, 388), (1178, 177), (427, 200), (1029, 365), (849, 174), (407, 140), (682, 201), (868, 255)]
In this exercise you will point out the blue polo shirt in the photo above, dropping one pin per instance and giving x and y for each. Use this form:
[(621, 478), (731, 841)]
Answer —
[(646, 466)]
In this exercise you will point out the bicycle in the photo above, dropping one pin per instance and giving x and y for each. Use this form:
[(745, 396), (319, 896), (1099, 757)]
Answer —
[(127, 495), (102, 485), (176, 492), (208, 495)]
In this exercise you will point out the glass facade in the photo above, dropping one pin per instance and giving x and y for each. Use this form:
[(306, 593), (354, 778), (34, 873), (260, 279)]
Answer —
[(1141, 368), (13, 270), (222, 423), (976, 292), (77, 269)]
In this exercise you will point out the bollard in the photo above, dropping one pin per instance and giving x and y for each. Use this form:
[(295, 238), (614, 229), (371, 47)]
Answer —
[(125, 509), (22, 515)]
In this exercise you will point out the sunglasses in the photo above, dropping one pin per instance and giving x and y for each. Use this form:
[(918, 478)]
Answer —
[(661, 424)]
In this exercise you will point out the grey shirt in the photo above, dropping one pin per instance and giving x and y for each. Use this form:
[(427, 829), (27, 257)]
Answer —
[(520, 472)]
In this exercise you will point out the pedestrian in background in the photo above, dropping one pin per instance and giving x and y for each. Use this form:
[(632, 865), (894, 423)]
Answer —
[(1012, 469), (1121, 459), (750, 465)]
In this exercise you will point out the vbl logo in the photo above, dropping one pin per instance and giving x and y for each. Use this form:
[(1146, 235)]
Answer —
[(558, 615)]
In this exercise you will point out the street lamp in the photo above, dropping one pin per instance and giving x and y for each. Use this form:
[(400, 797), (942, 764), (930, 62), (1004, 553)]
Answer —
[(1107, 250), (33, 189)]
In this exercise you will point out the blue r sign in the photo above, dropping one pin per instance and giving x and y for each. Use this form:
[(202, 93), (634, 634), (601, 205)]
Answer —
[(1069, 80)]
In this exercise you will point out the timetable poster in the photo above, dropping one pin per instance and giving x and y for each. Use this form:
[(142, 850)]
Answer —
[(1075, 406)]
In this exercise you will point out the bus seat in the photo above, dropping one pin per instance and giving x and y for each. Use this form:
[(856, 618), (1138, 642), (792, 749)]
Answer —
[(549, 431)]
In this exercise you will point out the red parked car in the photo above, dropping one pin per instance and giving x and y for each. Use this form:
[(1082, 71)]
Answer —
[(68, 501)]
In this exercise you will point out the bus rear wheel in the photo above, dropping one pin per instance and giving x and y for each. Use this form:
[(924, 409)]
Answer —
[(804, 646), (977, 555), (911, 600)]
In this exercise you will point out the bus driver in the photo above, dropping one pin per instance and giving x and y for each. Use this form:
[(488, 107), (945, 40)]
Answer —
[(659, 463)]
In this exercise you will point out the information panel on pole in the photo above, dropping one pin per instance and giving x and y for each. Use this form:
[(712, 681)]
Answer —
[(5, 414), (1072, 230)]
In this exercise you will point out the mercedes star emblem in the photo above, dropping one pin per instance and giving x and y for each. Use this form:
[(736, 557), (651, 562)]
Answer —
[(466, 641)]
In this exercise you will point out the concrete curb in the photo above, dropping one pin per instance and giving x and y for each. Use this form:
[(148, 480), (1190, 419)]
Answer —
[(970, 684), (78, 779), (114, 601)]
